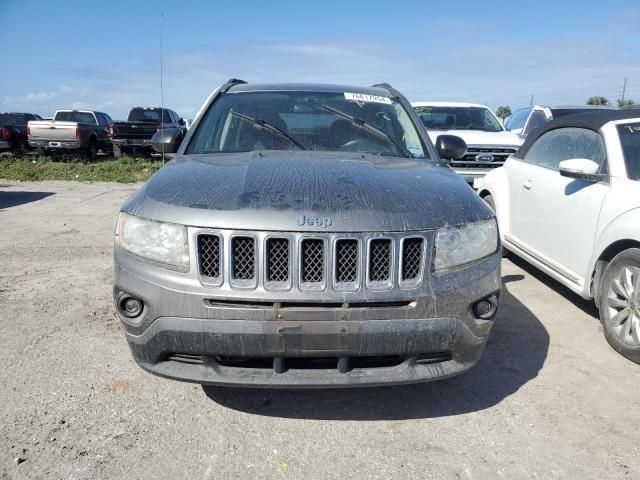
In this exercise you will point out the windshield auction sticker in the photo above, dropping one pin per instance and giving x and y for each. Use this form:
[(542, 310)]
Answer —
[(363, 97)]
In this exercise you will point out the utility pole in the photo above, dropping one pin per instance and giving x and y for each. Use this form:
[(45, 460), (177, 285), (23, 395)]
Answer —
[(531, 104), (624, 89)]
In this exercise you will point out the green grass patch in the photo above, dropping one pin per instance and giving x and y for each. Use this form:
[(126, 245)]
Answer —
[(125, 169)]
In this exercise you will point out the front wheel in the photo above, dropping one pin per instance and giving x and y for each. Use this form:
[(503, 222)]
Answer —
[(92, 150), (619, 304)]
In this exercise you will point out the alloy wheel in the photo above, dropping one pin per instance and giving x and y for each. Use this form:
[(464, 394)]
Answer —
[(623, 305)]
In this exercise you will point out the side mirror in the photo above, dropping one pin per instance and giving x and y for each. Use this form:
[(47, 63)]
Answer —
[(450, 147), (167, 140), (181, 121), (580, 168)]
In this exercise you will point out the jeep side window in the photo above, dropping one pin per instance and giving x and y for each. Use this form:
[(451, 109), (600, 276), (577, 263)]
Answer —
[(564, 144)]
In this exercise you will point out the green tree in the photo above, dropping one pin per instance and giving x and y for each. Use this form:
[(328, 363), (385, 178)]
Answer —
[(503, 111), (625, 103), (597, 101)]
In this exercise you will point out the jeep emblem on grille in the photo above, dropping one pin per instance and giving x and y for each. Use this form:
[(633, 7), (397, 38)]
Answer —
[(319, 222), (485, 157)]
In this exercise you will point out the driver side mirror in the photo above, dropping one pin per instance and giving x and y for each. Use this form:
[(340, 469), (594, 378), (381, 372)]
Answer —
[(181, 122), (580, 168), (450, 147), (167, 140)]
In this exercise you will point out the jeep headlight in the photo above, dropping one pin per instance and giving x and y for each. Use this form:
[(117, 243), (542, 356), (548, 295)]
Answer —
[(465, 243), (159, 241)]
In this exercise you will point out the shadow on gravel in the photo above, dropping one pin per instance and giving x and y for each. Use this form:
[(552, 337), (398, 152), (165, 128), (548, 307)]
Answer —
[(514, 355), (587, 306), (13, 199)]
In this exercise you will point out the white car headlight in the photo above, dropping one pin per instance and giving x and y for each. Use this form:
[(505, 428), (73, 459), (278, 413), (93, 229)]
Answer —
[(159, 241), (466, 243)]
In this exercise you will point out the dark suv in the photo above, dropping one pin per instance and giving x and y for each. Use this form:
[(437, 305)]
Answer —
[(306, 236)]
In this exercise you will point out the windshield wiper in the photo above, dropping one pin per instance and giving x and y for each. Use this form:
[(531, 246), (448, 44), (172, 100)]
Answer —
[(358, 122), (268, 127)]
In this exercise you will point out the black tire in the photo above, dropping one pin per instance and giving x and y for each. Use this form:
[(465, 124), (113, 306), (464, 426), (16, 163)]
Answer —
[(19, 148), (117, 151), (488, 199), (92, 149), (616, 296)]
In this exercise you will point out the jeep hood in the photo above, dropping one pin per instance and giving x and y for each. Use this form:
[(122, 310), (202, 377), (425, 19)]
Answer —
[(478, 137), (272, 190)]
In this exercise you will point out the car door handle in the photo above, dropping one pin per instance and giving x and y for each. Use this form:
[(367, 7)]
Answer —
[(527, 185)]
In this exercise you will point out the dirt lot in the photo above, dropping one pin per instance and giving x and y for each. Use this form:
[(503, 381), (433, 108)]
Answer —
[(549, 399)]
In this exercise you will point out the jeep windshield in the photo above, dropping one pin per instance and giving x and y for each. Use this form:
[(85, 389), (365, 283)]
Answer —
[(319, 121), (458, 118)]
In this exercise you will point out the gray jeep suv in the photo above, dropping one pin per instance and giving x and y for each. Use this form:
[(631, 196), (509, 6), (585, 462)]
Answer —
[(306, 236)]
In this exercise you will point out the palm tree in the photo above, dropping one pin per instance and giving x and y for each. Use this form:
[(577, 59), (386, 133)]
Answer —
[(597, 100), (503, 111)]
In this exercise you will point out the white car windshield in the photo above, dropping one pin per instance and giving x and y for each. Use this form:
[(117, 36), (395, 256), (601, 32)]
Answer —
[(458, 118)]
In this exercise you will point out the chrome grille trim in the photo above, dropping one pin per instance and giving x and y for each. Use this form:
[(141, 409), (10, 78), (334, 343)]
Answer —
[(380, 263), (312, 262), (292, 286), (412, 259), (210, 263), (347, 262), (243, 258), (276, 262), (499, 152)]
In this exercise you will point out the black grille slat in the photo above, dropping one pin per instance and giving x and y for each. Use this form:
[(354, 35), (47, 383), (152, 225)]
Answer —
[(277, 260), (209, 255), (312, 261), (380, 260), (411, 258), (244, 258), (346, 261)]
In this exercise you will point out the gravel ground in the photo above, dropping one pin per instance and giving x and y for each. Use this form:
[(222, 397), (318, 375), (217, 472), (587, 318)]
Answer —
[(549, 399)]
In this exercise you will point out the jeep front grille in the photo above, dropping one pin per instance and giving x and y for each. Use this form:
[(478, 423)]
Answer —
[(312, 262), (278, 260), (209, 255), (347, 261), (243, 254), (380, 260), (411, 258)]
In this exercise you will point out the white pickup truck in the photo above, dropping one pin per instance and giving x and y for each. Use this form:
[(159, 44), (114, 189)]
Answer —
[(83, 131), (488, 143)]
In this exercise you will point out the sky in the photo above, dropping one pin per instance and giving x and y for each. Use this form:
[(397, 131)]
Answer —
[(106, 55)]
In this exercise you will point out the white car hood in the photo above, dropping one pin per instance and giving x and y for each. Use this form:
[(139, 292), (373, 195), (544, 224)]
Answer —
[(478, 137)]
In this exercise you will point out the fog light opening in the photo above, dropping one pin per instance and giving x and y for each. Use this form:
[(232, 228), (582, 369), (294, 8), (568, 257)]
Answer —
[(486, 308), (130, 307)]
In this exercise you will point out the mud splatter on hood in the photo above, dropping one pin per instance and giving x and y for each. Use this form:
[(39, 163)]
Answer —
[(273, 190)]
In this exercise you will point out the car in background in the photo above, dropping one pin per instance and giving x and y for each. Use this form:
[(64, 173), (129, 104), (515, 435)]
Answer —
[(13, 131), (524, 120), (135, 134), (306, 236), (568, 202), (488, 143), (83, 131)]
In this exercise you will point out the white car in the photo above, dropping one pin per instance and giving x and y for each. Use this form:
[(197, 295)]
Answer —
[(524, 120), (568, 202), (488, 142)]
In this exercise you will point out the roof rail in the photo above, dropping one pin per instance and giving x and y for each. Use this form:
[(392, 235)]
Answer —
[(230, 83)]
